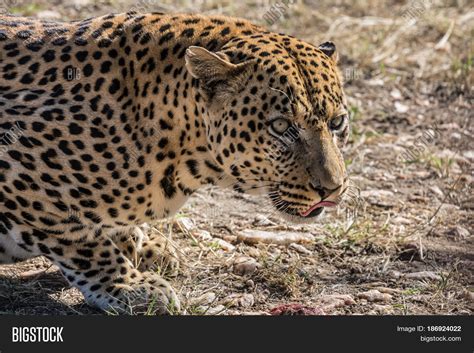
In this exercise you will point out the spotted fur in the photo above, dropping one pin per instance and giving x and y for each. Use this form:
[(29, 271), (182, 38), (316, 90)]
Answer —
[(112, 122)]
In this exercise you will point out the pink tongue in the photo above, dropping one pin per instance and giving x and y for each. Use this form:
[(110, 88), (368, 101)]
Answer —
[(318, 205)]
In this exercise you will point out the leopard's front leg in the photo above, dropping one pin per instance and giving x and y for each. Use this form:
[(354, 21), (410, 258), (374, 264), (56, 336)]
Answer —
[(104, 274), (148, 250)]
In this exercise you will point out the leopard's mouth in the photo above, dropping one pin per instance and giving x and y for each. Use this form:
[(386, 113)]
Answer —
[(292, 211), (317, 209)]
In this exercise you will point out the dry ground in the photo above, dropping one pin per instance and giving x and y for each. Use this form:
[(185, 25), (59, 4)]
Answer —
[(403, 245)]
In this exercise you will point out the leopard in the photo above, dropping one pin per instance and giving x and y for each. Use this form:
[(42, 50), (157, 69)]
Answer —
[(111, 123)]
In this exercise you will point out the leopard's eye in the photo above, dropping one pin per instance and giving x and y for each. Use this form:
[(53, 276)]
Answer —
[(279, 126), (338, 122)]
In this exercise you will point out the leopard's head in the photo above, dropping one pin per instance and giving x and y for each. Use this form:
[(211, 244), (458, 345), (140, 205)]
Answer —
[(276, 117)]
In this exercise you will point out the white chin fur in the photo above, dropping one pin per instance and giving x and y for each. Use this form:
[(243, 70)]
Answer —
[(300, 220)]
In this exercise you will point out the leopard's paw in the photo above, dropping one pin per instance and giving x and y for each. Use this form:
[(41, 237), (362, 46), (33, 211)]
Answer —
[(157, 254), (147, 294)]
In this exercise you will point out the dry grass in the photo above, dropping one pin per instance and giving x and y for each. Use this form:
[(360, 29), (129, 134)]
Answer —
[(406, 68)]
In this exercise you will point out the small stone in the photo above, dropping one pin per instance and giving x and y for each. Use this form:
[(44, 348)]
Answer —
[(216, 310), (254, 252), (230, 238), (223, 244), (376, 82), (468, 295), (436, 190), (245, 300), (250, 284), (469, 154), (244, 266), (388, 290), (383, 198), (374, 295), (296, 309), (399, 220), (334, 301), (206, 298), (461, 232), (251, 236), (383, 309), (456, 136), (423, 275), (448, 208), (262, 221), (401, 108), (396, 94), (253, 313), (300, 248), (184, 224), (203, 235)]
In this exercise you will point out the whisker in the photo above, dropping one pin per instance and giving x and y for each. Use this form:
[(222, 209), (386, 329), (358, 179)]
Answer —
[(282, 92), (255, 187)]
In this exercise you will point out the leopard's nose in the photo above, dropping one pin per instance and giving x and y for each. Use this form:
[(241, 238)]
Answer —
[(324, 192)]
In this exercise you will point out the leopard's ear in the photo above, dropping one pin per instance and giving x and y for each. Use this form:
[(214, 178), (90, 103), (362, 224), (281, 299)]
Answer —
[(215, 71), (329, 48), (205, 65)]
